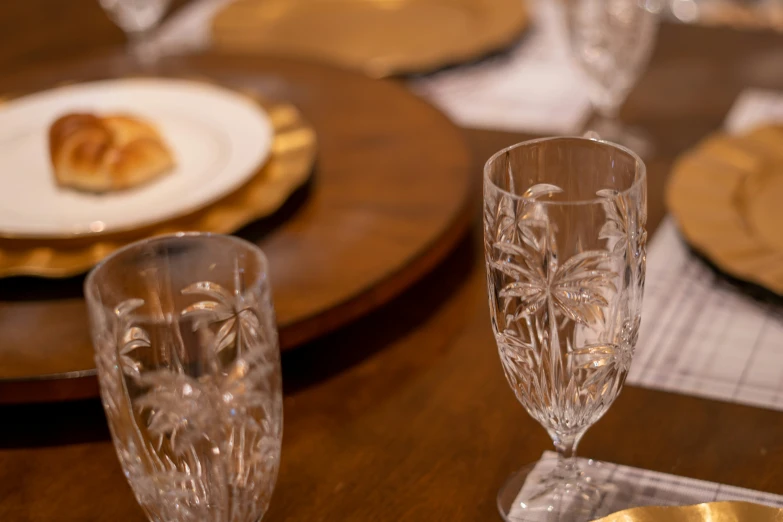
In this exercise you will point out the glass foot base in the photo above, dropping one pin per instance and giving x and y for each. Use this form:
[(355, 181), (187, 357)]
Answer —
[(536, 494)]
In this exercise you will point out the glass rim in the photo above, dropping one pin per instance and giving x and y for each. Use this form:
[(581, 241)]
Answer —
[(640, 178), (245, 244)]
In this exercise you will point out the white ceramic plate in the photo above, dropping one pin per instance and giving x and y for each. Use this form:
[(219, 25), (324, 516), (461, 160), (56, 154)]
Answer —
[(218, 137)]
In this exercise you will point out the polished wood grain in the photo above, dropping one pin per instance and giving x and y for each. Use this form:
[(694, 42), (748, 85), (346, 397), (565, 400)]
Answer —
[(391, 195), (405, 415), (43, 30)]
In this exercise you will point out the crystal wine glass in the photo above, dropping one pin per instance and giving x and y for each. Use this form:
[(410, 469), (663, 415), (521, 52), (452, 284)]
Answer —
[(189, 371), (138, 19), (565, 242), (612, 41)]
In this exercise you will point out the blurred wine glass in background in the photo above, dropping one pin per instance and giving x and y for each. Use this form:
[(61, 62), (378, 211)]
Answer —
[(138, 19), (611, 41)]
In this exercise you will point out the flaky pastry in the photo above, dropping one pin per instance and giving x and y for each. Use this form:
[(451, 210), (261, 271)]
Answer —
[(101, 154)]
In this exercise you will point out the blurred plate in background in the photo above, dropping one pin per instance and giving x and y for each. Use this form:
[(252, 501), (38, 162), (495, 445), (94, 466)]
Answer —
[(288, 168), (379, 37), (726, 195), (219, 139)]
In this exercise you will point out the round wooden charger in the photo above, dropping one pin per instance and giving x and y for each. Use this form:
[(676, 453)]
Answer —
[(389, 198)]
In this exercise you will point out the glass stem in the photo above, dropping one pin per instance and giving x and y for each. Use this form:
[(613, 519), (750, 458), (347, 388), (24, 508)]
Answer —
[(142, 48), (567, 467), (607, 112), (605, 123)]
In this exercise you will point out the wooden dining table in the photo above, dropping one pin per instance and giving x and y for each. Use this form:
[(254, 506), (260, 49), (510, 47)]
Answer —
[(405, 413)]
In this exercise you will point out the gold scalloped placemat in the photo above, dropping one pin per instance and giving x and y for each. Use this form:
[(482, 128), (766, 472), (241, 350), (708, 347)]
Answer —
[(379, 37), (288, 168), (727, 196)]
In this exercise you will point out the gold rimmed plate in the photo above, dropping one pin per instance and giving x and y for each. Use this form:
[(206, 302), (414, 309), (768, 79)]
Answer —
[(726, 196), (292, 155), (219, 140), (379, 37)]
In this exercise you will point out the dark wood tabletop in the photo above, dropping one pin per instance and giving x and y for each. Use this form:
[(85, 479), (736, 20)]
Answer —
[(405, 414)]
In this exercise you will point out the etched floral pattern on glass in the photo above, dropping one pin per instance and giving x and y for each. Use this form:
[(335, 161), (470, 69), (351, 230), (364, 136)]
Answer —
[(190, 377)]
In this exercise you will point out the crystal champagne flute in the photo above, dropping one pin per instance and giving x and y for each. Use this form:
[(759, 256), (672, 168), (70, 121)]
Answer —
[(565, 240)]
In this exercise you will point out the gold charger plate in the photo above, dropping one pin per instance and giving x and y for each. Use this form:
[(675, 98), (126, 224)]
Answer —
[(727, 196), (708, 512), (288, 168), (379, 37)]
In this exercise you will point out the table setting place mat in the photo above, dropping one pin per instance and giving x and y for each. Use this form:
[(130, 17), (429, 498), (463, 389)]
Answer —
[(532, 87), (639, 488), (700, 334)]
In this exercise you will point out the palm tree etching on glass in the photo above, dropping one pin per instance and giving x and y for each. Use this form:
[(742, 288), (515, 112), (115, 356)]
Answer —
[(565, 278), (193, 400)]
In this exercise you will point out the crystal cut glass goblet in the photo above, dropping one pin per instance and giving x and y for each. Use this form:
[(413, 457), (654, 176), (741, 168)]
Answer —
[(565, 242), (189, 370)]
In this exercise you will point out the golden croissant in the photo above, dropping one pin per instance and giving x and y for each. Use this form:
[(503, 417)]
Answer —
[(100, 154)]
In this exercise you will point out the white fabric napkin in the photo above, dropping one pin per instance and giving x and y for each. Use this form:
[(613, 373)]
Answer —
[(532, 88), (641, 487), (754, 107)]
